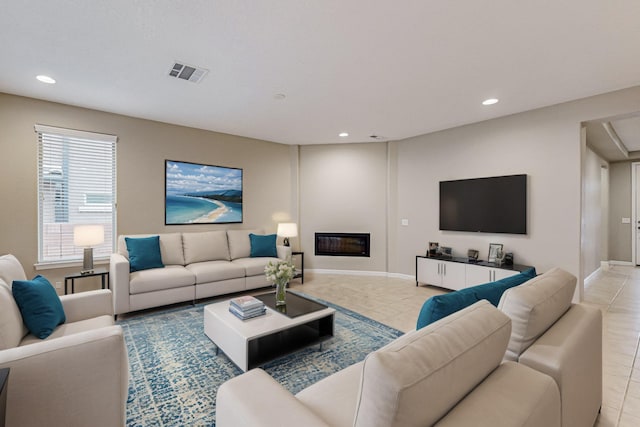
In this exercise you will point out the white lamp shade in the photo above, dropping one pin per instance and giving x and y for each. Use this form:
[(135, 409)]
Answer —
[(287, 229), (88, 235)]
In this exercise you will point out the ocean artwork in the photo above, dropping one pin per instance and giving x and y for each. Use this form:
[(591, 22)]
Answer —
[(202, 194)]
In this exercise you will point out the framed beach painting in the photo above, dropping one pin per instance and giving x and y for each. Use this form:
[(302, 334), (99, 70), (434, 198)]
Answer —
[(202, 194)]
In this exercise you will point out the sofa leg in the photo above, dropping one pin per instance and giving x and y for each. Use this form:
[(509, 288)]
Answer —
[(115, 317)]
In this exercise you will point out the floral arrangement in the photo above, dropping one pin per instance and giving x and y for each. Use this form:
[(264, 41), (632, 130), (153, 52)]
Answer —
[(280, 272)]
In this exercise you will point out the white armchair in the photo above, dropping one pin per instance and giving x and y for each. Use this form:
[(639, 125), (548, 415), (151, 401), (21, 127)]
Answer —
[(78, 376)]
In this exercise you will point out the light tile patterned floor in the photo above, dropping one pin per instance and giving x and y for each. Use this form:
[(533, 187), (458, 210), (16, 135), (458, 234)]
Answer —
[(397, 302)]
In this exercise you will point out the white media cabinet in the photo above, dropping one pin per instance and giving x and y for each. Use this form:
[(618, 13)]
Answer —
[(460, 273)]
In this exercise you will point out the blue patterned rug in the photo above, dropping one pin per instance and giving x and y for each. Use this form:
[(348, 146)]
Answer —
[(175, 373)]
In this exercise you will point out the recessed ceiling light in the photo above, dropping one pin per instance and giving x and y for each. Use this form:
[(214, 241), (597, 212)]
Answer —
[(490, 101), (343, 134), (45, 79)]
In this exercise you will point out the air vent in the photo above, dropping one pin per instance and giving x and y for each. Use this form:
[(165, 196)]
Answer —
[(187, 72)]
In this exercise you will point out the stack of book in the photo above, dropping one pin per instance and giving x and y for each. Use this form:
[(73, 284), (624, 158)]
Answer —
[(246, 307)]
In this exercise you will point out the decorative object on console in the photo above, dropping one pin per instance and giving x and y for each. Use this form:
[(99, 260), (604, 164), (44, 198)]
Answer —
[(202, 194), (494, 251), (280, 273), (87, 236), (446, 251), (472, 255), (286, 230), (433, 249), (508, 258)]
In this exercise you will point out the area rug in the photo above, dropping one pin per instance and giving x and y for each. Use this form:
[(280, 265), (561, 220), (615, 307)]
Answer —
[(175, 372)]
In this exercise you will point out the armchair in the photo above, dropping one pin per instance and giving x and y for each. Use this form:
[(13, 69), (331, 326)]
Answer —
[(78, 376)]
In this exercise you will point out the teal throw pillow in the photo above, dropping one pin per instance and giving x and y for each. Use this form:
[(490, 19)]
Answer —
[(144, 253), (439, 306), (263, 245), (39, 305)]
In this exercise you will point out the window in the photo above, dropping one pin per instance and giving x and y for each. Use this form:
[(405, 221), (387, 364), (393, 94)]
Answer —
[(76, 185)]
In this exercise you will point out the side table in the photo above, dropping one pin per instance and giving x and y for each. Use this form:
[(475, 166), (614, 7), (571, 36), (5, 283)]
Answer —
[(102, 272), (299, 273)]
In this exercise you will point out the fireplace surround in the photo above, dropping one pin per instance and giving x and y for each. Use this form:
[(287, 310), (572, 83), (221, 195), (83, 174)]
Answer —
[(343, 244)]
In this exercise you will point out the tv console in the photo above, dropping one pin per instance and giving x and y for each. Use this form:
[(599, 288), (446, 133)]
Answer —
[(459, 273)]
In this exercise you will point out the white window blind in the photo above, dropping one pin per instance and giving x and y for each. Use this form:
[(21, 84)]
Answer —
[(76, 186)]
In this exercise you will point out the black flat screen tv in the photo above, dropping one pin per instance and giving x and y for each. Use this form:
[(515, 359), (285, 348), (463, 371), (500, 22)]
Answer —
[(487, 205)]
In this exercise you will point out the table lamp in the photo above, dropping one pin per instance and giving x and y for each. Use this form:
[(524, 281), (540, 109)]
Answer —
[(286, 230), (88, 236)]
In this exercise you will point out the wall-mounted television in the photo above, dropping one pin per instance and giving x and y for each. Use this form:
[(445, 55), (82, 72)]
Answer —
[(487, 205)]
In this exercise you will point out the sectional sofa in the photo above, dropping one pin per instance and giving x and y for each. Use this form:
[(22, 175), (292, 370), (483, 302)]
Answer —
[(535, 360), (195, 265)]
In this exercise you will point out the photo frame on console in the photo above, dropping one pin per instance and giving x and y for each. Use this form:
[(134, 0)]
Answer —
[(433, 249), (495, 251)]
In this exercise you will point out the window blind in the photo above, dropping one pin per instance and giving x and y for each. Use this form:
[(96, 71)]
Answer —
[(76, 186)]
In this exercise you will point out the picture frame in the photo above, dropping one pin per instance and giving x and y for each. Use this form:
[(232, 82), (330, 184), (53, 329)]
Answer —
[(495, 252), (446, 251), (198, 193), (433, 249), (472, 255)]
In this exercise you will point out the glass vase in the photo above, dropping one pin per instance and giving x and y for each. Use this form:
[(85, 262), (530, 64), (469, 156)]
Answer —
[(281, 294)]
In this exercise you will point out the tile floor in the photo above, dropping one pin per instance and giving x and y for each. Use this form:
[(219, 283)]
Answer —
[(397, 302)]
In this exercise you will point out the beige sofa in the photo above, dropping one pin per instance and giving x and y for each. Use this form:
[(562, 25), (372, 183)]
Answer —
[(78, 376), (423, 377), (197, 265), (446, 374), (560, 339)]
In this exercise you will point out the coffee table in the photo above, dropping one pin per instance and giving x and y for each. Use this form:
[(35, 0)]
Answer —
[(254, 342)]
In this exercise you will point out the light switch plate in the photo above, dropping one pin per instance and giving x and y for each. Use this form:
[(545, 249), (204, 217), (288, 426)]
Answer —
[(626, 220), (404, 221)]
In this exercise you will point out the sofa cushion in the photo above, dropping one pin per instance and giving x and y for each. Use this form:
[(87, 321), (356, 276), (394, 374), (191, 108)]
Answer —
[(73, 328), (157, 279), (263, 245), (335, 397), (170, 247), (39, 305), (254, 266), (205, 246), (239, 244), (144, 253), (11, 327), (439, 306), (214, 271), (11, 269), (419, 377), (534, 306)]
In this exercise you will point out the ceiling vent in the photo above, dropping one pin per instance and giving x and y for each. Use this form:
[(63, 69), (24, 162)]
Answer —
[(187, 72)]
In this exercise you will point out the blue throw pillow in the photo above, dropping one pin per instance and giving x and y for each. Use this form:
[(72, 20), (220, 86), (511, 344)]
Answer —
[(439, 306), (39, 305), (144, 253), (263, 245)]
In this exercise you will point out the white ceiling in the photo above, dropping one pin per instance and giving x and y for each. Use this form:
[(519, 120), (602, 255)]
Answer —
[(391, 68)]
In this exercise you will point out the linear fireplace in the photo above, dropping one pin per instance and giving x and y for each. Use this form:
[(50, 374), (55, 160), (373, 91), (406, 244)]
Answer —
[(343, 244)]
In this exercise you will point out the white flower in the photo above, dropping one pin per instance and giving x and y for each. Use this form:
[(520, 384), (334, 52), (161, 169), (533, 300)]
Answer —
[(279, 272)]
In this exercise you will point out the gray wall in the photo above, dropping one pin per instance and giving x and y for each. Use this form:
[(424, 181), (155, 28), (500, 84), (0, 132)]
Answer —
[(595, 185), (142, 149), (620, 207)]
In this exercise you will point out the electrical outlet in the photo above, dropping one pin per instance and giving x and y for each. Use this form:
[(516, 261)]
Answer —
[(58, 285)]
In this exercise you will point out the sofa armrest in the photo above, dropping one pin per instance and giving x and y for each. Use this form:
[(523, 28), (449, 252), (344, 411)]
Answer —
[(571, 353), (284, 252), (86, 305), (256, 399), (79, 380), (119, 282)]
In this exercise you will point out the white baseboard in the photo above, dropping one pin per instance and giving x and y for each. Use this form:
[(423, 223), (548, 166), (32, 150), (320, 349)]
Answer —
[(592, 275), (362, 273), (627, 263)]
